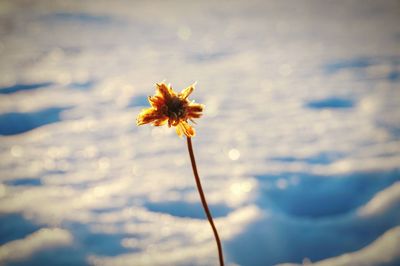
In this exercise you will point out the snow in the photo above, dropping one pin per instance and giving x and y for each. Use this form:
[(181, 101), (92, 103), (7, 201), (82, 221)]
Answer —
[(20, 250), (382, 251), (298, 149)]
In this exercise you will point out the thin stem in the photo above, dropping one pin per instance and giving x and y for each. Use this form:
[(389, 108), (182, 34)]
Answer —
[(203, 201)]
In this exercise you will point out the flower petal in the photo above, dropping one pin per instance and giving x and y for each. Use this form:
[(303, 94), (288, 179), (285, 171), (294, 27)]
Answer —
[(186, 92), (156, 101), (194, 115), (171, 91), (195, 108), (178, 130), (147, 116), (160, 122), (185, 128), (164, 91)]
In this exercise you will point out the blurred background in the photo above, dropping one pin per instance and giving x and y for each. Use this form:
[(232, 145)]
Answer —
[(298, 149)]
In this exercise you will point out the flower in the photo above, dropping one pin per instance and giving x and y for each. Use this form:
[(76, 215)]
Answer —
[(172, 108)]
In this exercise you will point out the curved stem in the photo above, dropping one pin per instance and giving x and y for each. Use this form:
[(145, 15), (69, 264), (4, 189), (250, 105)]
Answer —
[(204, 202)]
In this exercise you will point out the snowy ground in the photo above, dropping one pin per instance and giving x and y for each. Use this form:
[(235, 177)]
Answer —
[(298, 150)]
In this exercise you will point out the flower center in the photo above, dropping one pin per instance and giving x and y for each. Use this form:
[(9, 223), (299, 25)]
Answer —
[(175, 108)]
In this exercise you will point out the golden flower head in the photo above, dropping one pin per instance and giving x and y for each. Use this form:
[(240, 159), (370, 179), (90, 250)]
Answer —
[(172, 108)]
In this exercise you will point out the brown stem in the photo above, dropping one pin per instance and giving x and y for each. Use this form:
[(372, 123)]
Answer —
[(204, 202)]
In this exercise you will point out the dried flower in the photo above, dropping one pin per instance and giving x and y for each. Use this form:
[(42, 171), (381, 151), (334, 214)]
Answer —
[(174, 109)]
